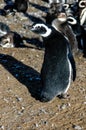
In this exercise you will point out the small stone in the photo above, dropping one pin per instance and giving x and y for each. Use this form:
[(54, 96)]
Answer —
[(2, 127), (18, 98), (77, 127), (36, 125)]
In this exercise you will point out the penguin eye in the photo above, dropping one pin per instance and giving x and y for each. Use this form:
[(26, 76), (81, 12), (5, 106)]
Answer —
[(38, 28), (43, 29)]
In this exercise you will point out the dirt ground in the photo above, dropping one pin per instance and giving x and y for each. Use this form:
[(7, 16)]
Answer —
[(20, 68)]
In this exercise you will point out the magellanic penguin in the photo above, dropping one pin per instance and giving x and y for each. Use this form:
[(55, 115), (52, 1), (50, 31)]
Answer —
[(16, 6), (58, 18), (58, 65), (80, 34), (11, 40)]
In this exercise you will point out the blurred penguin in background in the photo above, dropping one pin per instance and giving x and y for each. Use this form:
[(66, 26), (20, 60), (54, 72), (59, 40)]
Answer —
[(9, 39), (74, 19), (17, 5)]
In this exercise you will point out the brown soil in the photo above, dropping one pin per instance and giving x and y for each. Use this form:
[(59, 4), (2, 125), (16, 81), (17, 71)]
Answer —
[(20, 108)]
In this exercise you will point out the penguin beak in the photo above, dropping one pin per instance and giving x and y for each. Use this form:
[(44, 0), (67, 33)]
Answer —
[(62, 17), (29, 27)]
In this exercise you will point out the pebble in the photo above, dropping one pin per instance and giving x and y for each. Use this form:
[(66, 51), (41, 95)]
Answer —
[(2, 127), (77, 127), (64, 106)]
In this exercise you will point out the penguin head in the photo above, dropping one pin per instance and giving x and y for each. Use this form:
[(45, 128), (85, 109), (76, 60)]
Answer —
[(55, 10), (82, 4), (41, 29), (6, 41), (60, 20), (71, 9)]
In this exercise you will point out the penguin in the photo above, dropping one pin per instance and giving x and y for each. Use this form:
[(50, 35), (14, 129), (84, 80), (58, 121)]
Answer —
[(11, 40), (80, 34), (58, 68), (53, 12), (6, 41), (61, 24), (62, 1), (8, 38), (16, 6), (73, 18), (71, 8)]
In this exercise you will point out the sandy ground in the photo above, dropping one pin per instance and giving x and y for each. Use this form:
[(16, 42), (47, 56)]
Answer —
[(20, 68)]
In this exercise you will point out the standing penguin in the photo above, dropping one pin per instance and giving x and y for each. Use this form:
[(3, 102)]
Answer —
[(58, 65)]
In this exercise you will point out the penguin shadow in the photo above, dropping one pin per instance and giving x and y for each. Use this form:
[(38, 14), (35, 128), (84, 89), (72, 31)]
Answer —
[(30, 78), (35, 42), (33, 18), (9, 9), (42, 8)]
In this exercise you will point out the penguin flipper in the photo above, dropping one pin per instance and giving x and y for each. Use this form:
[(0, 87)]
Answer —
[(72, 61)]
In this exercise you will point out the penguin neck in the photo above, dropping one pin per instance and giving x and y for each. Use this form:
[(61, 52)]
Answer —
[(58, 24)]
